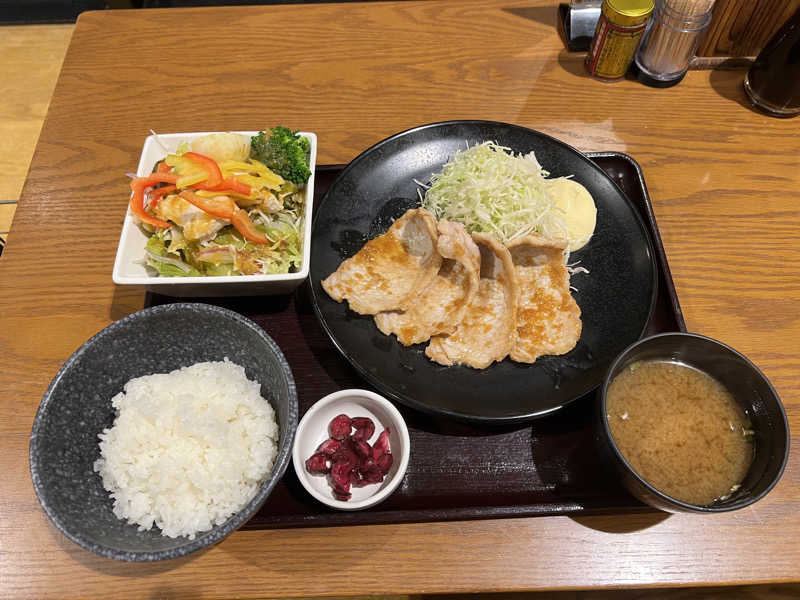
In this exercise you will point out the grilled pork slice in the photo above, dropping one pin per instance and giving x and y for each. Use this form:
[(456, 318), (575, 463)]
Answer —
[(548, 318), (486, 333), (439, 307), (390, 268)]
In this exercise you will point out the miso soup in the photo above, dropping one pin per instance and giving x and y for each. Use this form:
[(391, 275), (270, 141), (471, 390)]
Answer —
[(680, 429)]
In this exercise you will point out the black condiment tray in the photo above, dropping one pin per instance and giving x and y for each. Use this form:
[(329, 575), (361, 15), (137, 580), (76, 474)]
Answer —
[(458, 471)]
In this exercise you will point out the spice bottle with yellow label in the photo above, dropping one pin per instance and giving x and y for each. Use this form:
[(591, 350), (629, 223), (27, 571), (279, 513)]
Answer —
[(617, 36)]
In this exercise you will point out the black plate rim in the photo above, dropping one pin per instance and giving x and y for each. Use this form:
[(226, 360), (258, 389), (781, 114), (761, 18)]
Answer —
[(425, 408)]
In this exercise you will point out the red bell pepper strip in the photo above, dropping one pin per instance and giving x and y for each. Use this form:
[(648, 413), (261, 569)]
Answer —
[(138, 186), (163, 167), (159, 193), (221, 206), (226, 208), (209, 165), (155, 178), (228, 183), (241, 221)]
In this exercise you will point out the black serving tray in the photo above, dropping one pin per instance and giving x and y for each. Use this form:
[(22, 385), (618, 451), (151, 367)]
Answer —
[(457, 470)]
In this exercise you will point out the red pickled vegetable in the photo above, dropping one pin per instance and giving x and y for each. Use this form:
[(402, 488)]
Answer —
[(361, 447), (329, 446), (340, 475), (374, 475), (340, 478), (364, 428), (381, 445), (347, 457), (339, 427), (384, 463), (366, 464), (318, 463)]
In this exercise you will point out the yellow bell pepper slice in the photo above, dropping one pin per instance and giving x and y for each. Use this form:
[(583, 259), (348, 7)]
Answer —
[(272, 179), (188, 171)]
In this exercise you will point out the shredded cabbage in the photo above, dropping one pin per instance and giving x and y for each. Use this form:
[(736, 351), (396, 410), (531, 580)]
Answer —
[(489, 189), (170, 261), (165, 264)]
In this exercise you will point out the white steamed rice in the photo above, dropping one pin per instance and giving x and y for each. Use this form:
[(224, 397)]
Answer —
[(188, 449)]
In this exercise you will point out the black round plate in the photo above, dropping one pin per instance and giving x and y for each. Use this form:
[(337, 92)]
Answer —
[(616, 297)]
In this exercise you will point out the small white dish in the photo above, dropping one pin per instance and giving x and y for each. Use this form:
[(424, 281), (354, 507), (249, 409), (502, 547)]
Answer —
[(128, 267), (313, 430)]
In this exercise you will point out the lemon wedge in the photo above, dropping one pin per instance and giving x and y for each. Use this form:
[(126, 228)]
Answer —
[(580, 213)]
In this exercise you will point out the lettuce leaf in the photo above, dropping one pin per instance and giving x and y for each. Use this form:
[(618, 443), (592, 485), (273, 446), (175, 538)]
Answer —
[(155, 245)]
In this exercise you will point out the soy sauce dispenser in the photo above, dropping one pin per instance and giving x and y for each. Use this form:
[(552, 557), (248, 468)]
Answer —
[(773, 81)]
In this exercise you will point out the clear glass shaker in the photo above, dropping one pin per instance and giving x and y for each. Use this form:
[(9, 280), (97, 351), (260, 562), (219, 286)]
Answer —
[(671, 40)]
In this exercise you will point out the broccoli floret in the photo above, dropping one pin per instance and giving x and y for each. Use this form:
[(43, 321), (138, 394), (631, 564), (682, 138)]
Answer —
[(283, 151)]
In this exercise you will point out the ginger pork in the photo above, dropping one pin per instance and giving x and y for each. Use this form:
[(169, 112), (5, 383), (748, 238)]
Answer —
[(486, 332), (389, 270), (476, 299), (548, 319), (439, 306)]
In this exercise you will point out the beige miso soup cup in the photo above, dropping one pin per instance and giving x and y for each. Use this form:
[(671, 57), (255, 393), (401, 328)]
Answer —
[(751, 390)]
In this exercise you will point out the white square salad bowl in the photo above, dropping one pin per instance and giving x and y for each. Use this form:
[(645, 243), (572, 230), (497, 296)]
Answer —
[(129, 268)]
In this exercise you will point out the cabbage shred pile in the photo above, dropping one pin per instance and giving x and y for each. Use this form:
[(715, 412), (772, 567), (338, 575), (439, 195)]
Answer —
[(491, 190)]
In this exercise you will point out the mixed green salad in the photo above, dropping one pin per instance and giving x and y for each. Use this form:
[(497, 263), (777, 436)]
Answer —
[(226, 204)]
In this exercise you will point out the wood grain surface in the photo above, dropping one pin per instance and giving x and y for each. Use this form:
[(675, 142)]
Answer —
[(743, 27), (31, 58), (723, 179)]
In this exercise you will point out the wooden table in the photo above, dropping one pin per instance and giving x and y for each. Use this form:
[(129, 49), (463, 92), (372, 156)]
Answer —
[(724, 181)]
